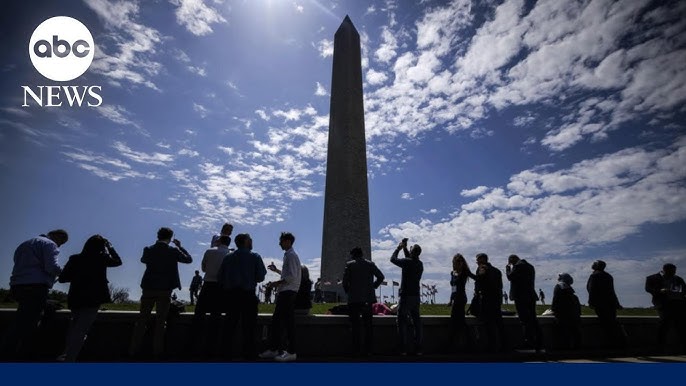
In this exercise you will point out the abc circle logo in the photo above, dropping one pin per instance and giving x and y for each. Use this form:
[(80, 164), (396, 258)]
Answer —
[(61, 48)]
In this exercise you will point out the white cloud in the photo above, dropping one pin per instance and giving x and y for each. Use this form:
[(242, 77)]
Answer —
[(198, 70), (325, 48), (112, 169), (320, 91), (200, 109), (294, 114), (262, 114), (406, 196), (135, 44), (479, 190), (117, 114), (189, 153), (157, 159), (387, 50), (299, 8), (375, 77), (196, 16), (558, 215)]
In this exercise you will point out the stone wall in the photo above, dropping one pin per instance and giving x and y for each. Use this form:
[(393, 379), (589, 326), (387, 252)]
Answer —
[(318, 336)]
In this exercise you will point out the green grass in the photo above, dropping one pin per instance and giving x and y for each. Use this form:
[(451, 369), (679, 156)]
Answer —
[(426, 309)]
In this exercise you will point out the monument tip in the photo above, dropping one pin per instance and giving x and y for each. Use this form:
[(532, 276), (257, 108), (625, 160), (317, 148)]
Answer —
[(347, 24)]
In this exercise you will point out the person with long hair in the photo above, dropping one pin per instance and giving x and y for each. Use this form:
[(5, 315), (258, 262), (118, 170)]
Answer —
[(458, 281), (87, 273)]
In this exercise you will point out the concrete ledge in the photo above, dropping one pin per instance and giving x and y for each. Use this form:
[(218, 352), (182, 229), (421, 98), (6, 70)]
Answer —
[(319, 336)]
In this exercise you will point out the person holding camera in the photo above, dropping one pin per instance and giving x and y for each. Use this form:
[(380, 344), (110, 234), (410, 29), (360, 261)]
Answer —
[(668, 292), (409, 294), (87, 273), (161, 277)]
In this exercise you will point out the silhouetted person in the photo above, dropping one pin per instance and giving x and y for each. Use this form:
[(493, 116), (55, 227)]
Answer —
[(541, 296), (33, 274), (268, 289), (409, 294), (361, 278), (603, 299), (210, 301), (283, 319), (488, 289), (87, 273), (303, 299), (226, 230), (567, 311), (505, 298), (238, 276), (458, 282), (669, 291), (195, 286), (318, 290), (522, 277), (161, 277)]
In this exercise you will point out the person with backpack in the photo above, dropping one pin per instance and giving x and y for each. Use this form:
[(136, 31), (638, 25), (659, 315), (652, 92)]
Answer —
[(567, 311)]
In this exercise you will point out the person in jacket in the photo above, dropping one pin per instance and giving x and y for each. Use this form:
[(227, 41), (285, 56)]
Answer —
[(361, 278), (488, 289), (161, 277), (567, 312), (522, 277), (668, 292), (238, 276), (603, 299), (87, 274)]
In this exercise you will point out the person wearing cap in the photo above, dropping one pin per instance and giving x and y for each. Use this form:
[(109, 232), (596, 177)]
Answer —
[(668, 292), (567, 311), (34, 272), (603, 299), (360, 280)]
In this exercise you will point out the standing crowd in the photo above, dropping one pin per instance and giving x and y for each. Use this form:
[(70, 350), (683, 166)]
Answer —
[(231, 277)]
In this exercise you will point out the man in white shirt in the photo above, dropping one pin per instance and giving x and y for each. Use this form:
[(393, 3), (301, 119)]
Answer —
[(210, 299), (284, 311)]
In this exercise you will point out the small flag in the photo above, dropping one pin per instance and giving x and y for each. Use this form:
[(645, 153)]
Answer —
[(395, 283), (384, 283)]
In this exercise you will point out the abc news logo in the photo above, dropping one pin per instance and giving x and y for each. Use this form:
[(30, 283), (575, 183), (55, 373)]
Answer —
[(62, 49)]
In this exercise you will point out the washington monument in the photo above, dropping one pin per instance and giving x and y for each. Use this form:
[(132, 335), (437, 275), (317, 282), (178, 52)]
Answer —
[(346, 202)]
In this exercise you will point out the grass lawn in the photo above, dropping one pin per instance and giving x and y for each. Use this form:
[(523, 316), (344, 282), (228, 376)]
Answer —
[(426, 309)]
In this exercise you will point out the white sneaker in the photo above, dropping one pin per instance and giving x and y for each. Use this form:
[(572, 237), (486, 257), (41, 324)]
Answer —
[(286, 357), (269, 354)]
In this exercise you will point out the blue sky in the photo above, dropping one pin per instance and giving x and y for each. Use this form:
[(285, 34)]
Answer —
[(549, 129)]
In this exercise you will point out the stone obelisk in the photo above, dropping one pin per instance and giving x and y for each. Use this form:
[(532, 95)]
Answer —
[(346, 201)]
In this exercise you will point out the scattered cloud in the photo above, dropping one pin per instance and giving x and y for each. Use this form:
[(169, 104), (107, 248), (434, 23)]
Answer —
[(320, 91), (157, 159), (325, 48), (200, 109), (196, 16), (117, 114), (132, 42), (112, 169)]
